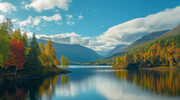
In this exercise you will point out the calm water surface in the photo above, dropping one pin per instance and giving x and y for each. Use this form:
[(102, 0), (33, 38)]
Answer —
[(98, 83)]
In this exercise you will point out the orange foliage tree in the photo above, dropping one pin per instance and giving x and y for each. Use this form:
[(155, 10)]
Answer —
[(16, 55)]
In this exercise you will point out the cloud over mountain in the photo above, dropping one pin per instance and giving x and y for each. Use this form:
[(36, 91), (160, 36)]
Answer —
[(124, 33)]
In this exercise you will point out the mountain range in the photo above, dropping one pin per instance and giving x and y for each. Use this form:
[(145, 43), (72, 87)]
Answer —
[(140, 44), (117, 49), (75, 53), (143, 39)]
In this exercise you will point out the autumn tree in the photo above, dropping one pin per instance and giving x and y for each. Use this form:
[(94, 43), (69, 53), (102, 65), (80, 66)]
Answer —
[(56, 62), (64, 61), (48, 54), (16, 55), (154, 56), (42, 57)]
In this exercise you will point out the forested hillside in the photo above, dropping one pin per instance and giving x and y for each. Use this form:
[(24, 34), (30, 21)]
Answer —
[(148, 37), (168, 44)]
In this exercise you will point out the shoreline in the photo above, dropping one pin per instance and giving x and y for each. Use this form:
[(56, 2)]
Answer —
[(152, 68), (161, 68), (10, 77)]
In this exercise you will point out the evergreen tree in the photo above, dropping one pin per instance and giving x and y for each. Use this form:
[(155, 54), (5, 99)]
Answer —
[(34, 52)]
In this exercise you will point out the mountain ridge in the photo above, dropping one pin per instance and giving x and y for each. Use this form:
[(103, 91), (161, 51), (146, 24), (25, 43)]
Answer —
[(108, 61), (74, 52)]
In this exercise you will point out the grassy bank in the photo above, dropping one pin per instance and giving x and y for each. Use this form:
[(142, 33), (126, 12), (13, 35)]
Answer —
[(26, 74)]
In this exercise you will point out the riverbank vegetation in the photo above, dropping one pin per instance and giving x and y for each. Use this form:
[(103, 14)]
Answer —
[(24, 58), (165, 52)]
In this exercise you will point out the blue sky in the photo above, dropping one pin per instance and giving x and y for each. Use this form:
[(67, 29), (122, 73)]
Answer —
[(91, 23)]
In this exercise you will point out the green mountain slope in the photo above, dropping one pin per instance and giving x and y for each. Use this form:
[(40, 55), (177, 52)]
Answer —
[(170, 36)]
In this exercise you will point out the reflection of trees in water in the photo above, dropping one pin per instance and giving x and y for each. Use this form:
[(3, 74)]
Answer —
[(31, 90), (161, 82), (64, 80)]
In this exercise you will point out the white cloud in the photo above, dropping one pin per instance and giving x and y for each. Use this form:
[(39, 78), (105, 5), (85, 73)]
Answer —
[(131, 30), (7, 7), (40, 5), (124, 33), (29, 34), (55, 17), (37, 20), (31, 22), (70, 22), (69, 17), (80, 17), (26, 22), (14, 20), (67, 38)]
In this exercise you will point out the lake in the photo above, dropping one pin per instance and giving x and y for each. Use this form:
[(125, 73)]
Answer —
[(98, 83)]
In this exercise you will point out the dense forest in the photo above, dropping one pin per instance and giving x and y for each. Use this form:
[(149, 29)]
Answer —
[(17, 53), (163, 52)]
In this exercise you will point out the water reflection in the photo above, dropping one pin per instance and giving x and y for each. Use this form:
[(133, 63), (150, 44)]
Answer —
[(160, 82), (29, 90), (98, 84)]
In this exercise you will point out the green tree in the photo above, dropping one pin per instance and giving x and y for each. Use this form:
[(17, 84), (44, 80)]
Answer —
[(34, 52), (26, 45), (5, 39), (17, 35)]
